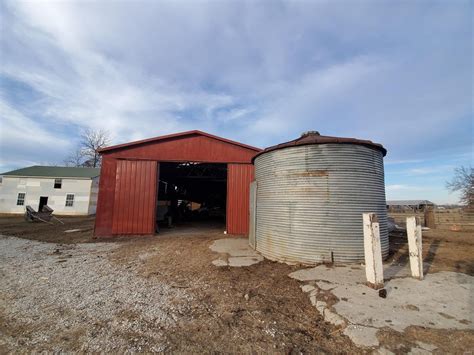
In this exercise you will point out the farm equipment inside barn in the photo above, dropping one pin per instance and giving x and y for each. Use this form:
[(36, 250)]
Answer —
[(191, 191)]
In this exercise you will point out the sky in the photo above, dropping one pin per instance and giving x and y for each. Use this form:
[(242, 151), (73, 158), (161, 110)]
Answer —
[(259, 72)]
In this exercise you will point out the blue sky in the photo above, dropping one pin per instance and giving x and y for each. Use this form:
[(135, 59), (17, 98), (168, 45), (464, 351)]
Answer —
[(260, 72)]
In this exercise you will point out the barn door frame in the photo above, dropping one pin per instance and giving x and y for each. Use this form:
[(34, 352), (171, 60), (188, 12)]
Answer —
[(253, 215)]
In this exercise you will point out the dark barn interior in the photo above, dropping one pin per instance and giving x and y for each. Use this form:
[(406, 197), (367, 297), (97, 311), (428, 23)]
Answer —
[(191, 192)]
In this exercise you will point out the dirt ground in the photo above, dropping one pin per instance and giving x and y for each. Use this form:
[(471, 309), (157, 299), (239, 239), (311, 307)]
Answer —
[(443, 250), (18, 227), (252, 309)]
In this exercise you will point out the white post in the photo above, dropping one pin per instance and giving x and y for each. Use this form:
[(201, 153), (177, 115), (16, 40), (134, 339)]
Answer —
[(373, 251), (414, 247)]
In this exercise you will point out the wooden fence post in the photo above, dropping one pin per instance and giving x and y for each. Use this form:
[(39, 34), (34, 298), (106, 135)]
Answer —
[(414, 247), (430, 221), (373, 251)]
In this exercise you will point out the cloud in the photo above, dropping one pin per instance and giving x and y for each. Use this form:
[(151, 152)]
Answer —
[(259, 72), (27, 137)]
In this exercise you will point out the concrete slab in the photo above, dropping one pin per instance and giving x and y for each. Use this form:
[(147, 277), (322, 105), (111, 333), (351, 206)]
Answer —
[(383, 351), (442, 301), (243, 261), (323, 285), (219, 262), (362, 336), (307, 288), (235, 252), (419, 351), (429, 347), (333, 318)]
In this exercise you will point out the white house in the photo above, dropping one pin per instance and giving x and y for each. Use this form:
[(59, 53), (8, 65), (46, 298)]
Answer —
[(68, 191)]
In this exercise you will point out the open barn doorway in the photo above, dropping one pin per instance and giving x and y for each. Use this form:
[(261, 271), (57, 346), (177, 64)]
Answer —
[(191, 194)]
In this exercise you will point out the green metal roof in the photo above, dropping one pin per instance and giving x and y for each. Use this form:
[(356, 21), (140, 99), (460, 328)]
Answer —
[(55, 171)]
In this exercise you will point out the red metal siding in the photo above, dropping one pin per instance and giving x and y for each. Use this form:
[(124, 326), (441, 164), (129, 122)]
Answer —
[(191, 148), (239, 177), (105, 200), (125, 183), (135, 197)]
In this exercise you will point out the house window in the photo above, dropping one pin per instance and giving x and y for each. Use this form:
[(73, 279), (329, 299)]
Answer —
[(58, 183), (20, 201), (69, 200)]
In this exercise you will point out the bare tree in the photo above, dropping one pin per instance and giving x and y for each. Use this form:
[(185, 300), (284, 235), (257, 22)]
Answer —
[(463, 181), (87, 154), (76, 158), (91, 142)]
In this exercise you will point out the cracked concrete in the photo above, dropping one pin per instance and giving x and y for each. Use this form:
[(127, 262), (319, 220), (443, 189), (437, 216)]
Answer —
[(442, 301), (234, 252)]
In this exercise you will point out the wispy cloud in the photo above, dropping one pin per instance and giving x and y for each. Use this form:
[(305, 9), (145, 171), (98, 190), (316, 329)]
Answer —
[(259, 72)]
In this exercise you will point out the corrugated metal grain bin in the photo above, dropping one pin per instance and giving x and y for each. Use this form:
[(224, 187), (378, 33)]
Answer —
[(310, 197)]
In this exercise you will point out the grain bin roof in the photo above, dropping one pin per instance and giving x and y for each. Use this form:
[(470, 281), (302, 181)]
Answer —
[(55, 171), (313, 137)]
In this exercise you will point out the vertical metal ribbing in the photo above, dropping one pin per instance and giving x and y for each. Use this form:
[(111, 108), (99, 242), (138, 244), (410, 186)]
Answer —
[(311, 198)]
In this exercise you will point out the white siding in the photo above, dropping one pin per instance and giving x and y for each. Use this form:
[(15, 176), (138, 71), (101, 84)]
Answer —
[(36, 187), (93, 195)]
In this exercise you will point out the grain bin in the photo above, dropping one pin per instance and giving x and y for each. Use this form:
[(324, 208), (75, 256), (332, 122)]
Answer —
[(310, 194)]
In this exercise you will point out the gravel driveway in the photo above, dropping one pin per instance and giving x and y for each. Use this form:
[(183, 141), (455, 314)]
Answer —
[(70, 297)]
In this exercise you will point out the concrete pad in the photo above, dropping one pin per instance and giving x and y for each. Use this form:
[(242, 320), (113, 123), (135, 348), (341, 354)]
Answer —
[(325, 285), (429, 347), (362, 336), (441, 301), (331, 274), (321, 306), (233, 247), (419, 351), (220, 262), (307, 288), (237, 252), (383, 351), (243, 261), (333, 318)]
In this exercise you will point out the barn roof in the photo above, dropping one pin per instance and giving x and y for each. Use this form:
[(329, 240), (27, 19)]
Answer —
[(55, 171), (174, 136), (408, 202)]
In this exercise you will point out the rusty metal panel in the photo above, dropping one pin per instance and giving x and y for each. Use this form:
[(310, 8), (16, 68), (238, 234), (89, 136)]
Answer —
[(313, 137), (311, 198), (239, 177), (252, 213), (135, 197), (105, 200)]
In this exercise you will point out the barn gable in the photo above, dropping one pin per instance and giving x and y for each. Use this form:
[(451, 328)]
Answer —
[(187, 146)]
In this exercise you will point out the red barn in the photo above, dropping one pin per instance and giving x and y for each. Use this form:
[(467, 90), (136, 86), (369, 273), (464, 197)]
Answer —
[(207, 169)]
